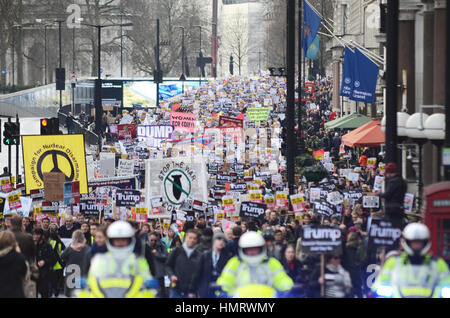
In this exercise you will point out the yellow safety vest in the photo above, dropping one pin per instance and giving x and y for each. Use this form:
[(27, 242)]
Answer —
[(112, 278), (57, 266), (238, 277)]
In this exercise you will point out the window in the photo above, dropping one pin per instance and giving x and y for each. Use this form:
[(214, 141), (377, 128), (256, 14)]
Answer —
[(443, 237)]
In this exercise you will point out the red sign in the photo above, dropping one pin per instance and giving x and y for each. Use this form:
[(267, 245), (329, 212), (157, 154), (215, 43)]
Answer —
[(76, 191), (126, 131), (230, 122)]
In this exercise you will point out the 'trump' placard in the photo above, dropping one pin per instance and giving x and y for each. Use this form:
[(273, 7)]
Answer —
[(321, 240)]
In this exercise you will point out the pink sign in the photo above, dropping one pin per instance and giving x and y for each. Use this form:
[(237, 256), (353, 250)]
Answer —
[(183, 121)]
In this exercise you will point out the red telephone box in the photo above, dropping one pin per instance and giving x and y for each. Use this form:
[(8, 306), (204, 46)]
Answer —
[(437, 217)]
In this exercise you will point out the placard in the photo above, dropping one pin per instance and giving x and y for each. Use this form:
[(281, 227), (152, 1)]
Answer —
[(382, 233), (128, 198), (409, 202), (54, 186), (321, 240), (378, 183), (371, 202), (252, 210)]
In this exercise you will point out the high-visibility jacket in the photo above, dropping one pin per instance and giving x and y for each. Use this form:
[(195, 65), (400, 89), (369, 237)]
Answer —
[(57, 266), (237, 274), (110, 277), (400, 279)]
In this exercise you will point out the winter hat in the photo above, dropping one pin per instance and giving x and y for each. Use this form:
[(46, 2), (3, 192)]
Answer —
[(218, 235), (391, 168)]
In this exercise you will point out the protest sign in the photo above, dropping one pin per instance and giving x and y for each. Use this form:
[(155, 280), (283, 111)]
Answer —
[(107, 164), (378, 184), (319, 154), (128, 198), (382, 233), (353, 177), (141, 215), (314, 194), (371, 202), (255, 196), (409, 202), (183, 121), (155, 133), (89, 208), (324, 208), (228, 204), (61, 153), (5, 184), (321, 240), (371, 163), (117, 182), (54, 186), (126, 131), (14, 199), (281, 199), (335, 198), (298, 202), (258, 114), (269, 200), (176, 179), (252, 210), (126, 168), (230, 122)]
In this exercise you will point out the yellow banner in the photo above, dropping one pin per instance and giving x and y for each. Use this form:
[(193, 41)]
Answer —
[(255, 196), (141, 210), (59, 153)]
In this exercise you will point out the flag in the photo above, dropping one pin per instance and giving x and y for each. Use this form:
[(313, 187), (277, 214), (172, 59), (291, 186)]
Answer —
[(365, 79), (240, 116), (311, 25), (348, 73), (313, 50)]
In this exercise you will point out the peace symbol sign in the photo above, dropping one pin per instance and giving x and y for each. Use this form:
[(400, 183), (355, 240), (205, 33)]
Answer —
[(55, 154)]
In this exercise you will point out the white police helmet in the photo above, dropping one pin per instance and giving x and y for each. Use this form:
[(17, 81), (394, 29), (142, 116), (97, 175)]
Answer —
[(251, 240), (120, 229), (416, 232)]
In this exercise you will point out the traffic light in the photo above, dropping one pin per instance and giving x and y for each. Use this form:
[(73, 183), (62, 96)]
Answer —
[(7, 134), (60, 79), (50, 126), (15, 133)]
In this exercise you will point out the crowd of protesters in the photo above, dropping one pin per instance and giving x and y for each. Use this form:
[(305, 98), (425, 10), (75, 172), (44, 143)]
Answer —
[(187, 261)]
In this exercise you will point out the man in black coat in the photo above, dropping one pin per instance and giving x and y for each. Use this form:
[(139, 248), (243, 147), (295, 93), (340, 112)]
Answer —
[(210, 267), (233, 245), (46, 259), (67, 229), (180, 266), (158, 255), (394, 196)]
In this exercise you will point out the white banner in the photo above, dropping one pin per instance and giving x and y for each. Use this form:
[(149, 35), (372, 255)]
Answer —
[(176, 179)]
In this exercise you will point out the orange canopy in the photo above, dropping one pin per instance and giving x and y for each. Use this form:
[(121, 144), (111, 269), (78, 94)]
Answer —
[(368, 135)]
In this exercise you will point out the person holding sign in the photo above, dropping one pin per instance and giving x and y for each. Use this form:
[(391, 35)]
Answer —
[(414, 274), (246, 276)]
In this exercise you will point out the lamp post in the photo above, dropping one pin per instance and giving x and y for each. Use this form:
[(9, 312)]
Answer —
[(121, 15), (183, 53), (98, 81), (200, 54)]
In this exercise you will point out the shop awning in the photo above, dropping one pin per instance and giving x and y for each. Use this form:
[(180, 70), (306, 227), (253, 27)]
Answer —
[(352, 121), (369, 135)]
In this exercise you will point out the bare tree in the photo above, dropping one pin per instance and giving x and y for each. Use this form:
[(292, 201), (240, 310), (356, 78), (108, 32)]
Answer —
[(235, 40)]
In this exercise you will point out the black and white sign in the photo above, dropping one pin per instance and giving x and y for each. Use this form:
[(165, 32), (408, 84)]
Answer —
[(252, 210), (238, 187), (324, 208), (382, 233), (321, 240), (371, 202), (222, 179), (127, 198), (89, 208)]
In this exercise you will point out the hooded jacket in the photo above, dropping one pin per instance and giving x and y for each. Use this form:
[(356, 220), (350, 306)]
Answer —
[(12, 270)]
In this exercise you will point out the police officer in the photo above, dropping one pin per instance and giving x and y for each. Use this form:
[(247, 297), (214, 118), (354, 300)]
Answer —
[(253, 273), (118, 273), (414, 273)]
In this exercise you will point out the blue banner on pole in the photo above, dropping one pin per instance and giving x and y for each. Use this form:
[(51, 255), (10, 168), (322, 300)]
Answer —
[(365, 79), (311, 25), (313, 50), (348, 73)]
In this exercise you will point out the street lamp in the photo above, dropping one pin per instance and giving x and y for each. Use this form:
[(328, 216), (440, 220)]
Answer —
[(415, 130), (200, 54), (98, 81), (182, 78), (121, 15)]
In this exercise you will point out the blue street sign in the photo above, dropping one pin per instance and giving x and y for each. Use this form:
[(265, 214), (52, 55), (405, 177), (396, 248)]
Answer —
[(101, 70), (4, 72)]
